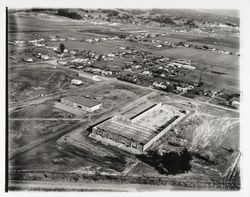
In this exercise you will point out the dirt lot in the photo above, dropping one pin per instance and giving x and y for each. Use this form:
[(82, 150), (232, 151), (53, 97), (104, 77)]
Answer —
[(50, 157), (72, 155), (43, 110), (210, 134), (109, 157), (23, 132), (112, 95), (25, 82)]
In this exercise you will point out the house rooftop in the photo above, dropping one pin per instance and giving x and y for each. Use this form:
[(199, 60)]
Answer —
[(82, 101)]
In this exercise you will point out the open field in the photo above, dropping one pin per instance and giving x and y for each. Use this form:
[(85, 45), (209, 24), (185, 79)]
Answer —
[(218, 60), (25, 132), (112, 95), (49, 156), (99, 48), (25, 83), (42, 110), (223, 41)]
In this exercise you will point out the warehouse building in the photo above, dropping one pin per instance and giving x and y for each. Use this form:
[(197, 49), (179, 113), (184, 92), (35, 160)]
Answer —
[(83, 103), (133, 134)]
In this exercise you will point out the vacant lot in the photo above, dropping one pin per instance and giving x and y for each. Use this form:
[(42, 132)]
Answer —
[(112, 95), (38, 80), (50, 157), (23, 132), (25, 82), (42, 110)]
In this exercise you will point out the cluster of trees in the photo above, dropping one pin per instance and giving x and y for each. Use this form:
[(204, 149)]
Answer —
[(232, 24), (164, 19), (40, 9), (67, 13), (191, 24), (170, 162), (112, 13)]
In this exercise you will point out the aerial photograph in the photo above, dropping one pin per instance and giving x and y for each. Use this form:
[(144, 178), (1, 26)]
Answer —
[(123, 99)]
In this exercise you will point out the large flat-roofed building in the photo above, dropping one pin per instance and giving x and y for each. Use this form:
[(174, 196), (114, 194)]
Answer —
[(83, 103), (138, 133)]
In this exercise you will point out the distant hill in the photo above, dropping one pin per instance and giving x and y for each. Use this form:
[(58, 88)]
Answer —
[(162, 16)]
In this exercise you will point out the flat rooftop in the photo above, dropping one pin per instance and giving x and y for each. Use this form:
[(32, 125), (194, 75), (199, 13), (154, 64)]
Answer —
[(137, 133), (82, 101), (146, 127)]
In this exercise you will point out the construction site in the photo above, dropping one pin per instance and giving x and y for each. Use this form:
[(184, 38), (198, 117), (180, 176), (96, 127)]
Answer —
[(137, 133), (122, 99)]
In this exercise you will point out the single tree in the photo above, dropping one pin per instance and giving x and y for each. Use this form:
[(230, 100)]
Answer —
[(61, 47)]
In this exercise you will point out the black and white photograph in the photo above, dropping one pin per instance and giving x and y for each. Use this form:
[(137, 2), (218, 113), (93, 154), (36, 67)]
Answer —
[(123, 99)]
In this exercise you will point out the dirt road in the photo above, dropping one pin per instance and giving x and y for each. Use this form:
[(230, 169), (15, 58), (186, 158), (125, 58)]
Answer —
[(85, 186)]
